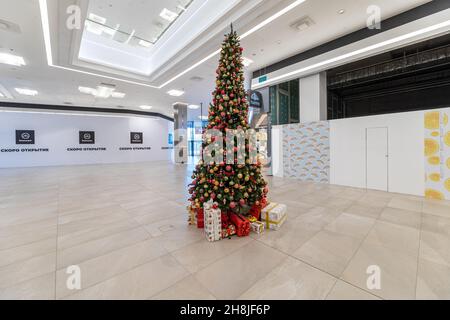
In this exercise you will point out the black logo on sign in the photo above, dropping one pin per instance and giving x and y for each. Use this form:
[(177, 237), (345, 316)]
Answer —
[(24, 136), (136, 138), (87, 137)]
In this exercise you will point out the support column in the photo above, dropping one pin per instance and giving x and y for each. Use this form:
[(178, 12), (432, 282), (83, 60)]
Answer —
[(313, 98), (180, 133)]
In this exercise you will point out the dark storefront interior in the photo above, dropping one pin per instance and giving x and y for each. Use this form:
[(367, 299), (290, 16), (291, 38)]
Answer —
[(416, 77)]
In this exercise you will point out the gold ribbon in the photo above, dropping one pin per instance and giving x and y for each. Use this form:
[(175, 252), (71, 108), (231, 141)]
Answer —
[(269, 222)]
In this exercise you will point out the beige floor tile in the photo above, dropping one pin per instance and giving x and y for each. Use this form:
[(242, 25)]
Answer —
[(139, 283), (292, 280), (95, 232), (328, 251), (174, 233), (433, 281), (111, 264), (351, 225), (435, 247), (27, 251), (439, 208), (33, 213), (21, 271), (202, 253), (345, 291), (94, 222), (436, 224), (406, 204), (402, 217), (40, 288), (395, 237), (230, 276), (362, 209), (398, 271), (187, 289), (318, 217), (293, 235), (374, 199), (91, 249), (91, 214)]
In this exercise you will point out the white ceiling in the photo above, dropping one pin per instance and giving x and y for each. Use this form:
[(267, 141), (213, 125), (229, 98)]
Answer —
[(272, 43)]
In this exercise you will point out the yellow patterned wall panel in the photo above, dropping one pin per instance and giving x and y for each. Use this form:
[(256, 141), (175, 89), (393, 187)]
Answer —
[(437, 154)]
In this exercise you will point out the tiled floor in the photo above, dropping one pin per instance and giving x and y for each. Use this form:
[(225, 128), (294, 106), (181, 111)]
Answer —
[(125, 227)]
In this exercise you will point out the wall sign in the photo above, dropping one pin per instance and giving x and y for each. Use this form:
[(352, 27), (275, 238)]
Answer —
[(25, 137), (136, 138), (87, 137), (256, 99)]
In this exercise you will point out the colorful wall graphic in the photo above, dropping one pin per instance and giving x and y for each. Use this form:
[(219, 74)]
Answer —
[(437, 154), (306, 151)]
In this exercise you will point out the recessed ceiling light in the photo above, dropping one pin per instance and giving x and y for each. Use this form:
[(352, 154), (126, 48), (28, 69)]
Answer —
[(11, 59), (1, 95), (26, 92), (175, 93), (246, 61), (145, 107), (193, 106), (342, 11), (168, 15)]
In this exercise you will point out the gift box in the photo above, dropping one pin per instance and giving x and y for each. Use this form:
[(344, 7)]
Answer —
[(242, 224), (255, 211), (213, 221), (274, 215), (200, 218), (257, 227), (192, 219), (228, 231)]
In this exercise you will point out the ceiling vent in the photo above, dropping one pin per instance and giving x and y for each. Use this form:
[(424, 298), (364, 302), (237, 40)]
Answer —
[(9, 26), (302, 24)]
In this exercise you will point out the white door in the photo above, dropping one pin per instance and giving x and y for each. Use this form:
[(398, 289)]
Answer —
[(377, 158)]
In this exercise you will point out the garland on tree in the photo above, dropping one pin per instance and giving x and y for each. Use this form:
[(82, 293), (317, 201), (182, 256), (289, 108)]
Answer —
[(232, 186)]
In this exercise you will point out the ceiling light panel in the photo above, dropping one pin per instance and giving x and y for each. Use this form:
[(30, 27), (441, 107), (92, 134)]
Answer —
[(146, 107), (175, 93), (26, 92), (10, 59)]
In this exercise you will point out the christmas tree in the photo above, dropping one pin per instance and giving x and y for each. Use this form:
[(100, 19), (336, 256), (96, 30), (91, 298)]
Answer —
[(238, 184)]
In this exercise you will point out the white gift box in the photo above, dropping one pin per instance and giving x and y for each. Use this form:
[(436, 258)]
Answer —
[(257, 227), (213, 222), (274, 215)]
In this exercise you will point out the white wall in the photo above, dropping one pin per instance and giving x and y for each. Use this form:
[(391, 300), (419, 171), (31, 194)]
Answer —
[(277, 151), (406, 155), (59, 132), (313, 98)]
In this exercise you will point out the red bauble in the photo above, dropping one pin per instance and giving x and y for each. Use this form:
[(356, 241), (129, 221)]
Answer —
[(228, 168), (242, 202), (232, 205)]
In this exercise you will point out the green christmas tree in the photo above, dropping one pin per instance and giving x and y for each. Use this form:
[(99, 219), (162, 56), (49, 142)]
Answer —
[(238, 185)]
